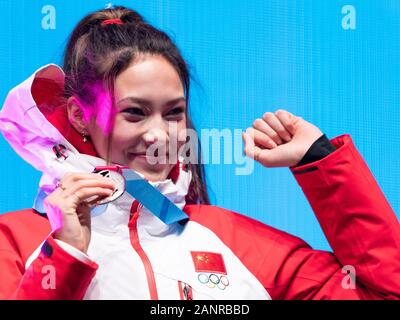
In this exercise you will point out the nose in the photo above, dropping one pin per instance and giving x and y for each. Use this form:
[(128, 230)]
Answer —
[(152, 137), (157, 132)]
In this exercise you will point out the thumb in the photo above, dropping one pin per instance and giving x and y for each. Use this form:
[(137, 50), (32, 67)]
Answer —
[(281, 156), (250, 149)]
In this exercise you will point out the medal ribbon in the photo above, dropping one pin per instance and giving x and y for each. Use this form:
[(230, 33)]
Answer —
[(149, 196)]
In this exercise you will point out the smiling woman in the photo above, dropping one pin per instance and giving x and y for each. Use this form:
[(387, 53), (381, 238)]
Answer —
[(123, 87), (112, 62), (149, 95)]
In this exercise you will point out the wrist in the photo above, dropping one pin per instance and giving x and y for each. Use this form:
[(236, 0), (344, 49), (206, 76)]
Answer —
[(77, 244), (317, 151)]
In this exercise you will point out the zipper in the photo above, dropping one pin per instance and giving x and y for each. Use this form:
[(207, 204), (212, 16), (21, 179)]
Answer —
[(185, 291), (134, 237)]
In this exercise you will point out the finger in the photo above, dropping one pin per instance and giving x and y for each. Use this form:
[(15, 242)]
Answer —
[(249, 148), (264, 156), (72, 187), (85, 193), (93, 202), (276, 125), (261, 138), (262, 126), (73, 177), (287, 119)]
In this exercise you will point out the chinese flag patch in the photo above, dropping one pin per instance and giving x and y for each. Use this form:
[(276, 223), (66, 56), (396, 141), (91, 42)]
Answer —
[(208, 262)]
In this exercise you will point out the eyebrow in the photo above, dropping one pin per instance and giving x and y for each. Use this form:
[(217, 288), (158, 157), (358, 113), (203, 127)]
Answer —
[(146, 102)]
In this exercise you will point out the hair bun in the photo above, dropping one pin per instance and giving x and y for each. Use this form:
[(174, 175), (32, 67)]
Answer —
[(132, 17), (125, 14)]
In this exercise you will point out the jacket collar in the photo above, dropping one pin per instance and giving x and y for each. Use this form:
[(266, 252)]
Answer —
[(33, 120)]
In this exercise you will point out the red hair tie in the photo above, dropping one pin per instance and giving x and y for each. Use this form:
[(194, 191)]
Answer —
[(112, 21)]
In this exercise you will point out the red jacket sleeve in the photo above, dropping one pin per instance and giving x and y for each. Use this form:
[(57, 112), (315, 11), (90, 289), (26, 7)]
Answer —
[(54, 274), (360, 226), (357, 220)]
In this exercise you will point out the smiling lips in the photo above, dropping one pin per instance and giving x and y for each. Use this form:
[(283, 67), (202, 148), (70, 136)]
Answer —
[(139, 154), (143, 155)]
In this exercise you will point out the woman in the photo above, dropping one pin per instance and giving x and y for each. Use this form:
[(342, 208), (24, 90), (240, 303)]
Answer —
[(125, 85)]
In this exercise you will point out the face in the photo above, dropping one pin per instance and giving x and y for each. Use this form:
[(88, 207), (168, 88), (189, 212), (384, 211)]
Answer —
[(149, 98)]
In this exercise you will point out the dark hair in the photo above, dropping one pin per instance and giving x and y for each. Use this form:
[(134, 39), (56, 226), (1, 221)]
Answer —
[(97, 53)]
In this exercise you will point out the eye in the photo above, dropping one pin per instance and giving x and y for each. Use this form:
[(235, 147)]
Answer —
[(134, 111), (176, 111)]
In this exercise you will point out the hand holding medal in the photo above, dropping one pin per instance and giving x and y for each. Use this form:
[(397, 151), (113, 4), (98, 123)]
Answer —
[(72, 201)]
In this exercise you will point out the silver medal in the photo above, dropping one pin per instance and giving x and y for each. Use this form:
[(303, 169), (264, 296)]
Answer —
[(119, 182)]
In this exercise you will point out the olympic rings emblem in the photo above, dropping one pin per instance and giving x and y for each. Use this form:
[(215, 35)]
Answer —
[(213, 280)]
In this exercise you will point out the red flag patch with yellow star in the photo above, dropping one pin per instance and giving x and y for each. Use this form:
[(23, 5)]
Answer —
[(208, 262)]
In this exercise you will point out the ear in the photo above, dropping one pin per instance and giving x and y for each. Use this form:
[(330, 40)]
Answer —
[(75, 115)]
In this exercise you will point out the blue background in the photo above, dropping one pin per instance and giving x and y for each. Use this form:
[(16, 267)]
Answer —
[(249, 57)]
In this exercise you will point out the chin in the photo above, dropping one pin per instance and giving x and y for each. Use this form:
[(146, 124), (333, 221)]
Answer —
[(155, 176)]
